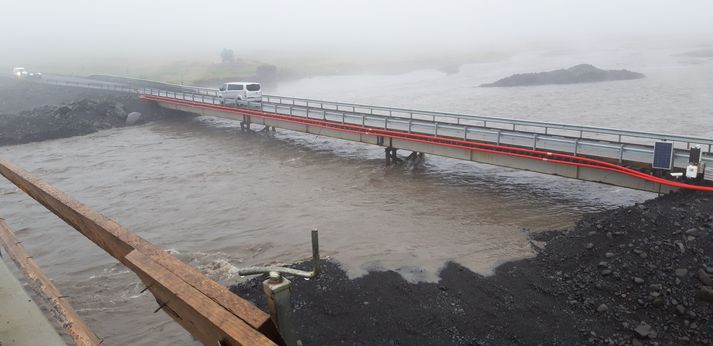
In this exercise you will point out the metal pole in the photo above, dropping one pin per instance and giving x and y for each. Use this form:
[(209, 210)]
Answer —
[(278, 291)]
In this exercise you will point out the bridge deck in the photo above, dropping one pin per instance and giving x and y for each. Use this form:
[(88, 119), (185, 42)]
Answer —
[(21, 321), (627, 148)]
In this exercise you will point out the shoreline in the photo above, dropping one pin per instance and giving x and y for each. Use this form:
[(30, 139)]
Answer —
[(619, 277)]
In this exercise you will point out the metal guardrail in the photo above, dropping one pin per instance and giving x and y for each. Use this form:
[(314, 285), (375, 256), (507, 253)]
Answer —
[(484, 120), (538, 135)]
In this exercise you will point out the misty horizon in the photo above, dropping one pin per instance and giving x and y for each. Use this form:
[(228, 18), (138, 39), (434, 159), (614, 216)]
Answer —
[(162, 31)]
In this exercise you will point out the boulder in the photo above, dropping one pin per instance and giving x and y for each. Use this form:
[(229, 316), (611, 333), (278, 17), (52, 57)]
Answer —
[(133, 118)]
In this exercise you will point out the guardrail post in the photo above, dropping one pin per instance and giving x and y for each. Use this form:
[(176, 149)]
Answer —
[(498, 140), (621, 153), (576, 146), (534, 142)]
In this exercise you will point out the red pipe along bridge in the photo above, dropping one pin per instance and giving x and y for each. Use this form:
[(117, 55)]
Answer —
[(606, 155)]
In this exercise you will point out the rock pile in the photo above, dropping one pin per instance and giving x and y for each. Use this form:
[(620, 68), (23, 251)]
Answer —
[(77, 118), (48, 122), (650, 264)]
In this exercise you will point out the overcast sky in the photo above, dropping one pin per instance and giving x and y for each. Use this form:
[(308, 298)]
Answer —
[(46, 29)]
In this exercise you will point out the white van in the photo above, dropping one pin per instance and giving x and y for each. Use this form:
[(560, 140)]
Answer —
[(235, 92)]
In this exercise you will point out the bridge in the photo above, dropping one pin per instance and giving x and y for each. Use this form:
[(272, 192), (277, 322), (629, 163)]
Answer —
[(599, 154)]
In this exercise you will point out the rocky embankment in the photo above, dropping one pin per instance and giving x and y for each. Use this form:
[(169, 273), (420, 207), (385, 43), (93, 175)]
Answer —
[(583, 73), (72, 119), (631, 276), (66, 111)]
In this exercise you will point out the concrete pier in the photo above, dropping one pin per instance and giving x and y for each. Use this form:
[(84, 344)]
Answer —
[(21, 320)]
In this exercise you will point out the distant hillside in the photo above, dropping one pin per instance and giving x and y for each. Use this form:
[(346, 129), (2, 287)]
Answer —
[(583, 73), (707, 53)]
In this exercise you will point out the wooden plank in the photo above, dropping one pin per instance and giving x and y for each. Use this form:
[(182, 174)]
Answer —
[(119, 242), (190, 308), (41, 284)]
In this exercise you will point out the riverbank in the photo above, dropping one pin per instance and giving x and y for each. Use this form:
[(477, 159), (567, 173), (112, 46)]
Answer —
[(629, 276), (66, 111)]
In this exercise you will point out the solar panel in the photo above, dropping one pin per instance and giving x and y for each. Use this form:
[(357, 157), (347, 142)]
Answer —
[(663, 155)]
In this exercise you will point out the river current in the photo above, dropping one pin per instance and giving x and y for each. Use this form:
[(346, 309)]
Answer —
[(220, 199)]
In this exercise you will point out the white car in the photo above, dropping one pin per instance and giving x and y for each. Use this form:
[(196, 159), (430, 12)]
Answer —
[(22, 73), (238, 92), (19, 72)]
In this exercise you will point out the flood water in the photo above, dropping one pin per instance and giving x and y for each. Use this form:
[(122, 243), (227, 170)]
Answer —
[(221, 199)]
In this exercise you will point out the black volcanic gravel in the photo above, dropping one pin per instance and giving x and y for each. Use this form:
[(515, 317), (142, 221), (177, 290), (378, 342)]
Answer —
[(28, 114), (631, 276)]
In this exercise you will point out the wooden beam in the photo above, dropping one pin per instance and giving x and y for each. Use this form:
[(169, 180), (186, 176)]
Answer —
[(119, 242), (192, 308), (43, 286)]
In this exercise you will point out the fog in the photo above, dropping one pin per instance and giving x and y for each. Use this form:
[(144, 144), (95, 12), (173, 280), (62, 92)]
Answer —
[(82, 30)]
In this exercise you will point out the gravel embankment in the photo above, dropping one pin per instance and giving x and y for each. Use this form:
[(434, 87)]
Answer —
[(631, 276), (32, 111)]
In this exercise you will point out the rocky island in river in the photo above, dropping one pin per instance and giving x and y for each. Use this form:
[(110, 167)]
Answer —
[(583, 73)]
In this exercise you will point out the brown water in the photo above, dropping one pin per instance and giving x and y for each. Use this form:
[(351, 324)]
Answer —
[(221, 199)]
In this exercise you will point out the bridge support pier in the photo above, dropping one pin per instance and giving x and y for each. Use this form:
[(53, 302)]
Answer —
[(245, 124), (391, 157), (415, 156)]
